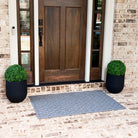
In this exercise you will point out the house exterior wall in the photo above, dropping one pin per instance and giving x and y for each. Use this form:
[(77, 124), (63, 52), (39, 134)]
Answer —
[(125, 40), (4, 42), (125, 44)]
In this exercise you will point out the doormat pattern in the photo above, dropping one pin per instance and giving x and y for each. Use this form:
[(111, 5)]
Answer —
[(65, 104)]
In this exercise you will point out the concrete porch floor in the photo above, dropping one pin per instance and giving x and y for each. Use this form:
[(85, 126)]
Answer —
[(20, 121)]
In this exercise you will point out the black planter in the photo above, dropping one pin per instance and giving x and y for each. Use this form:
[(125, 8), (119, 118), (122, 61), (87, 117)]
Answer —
[(16, 91), (114, 84)]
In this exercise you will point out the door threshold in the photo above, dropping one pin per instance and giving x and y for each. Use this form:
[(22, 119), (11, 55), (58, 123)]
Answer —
[(63, 83), (63, 87)]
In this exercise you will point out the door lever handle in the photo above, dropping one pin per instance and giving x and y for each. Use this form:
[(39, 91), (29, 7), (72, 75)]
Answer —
[(40, 36)]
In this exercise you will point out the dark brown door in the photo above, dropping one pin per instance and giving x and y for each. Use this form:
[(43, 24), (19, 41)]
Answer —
[(62, 33)]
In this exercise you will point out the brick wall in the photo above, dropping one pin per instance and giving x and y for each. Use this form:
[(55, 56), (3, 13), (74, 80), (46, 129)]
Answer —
[(4, 41), (125, 41)]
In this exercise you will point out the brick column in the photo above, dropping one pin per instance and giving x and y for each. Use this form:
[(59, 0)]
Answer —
[(125, 44), (4, 42)]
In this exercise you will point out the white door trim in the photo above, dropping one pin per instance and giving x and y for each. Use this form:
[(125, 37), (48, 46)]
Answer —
[(88, 40), (13, 32), (108, 36), (36, 42)]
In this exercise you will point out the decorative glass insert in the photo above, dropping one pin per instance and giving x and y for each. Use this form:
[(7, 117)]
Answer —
[(25, 41), (97, 21), (25, 60), (96, 40), (95, 59), (24, 4), (24, 20), (98, 4)]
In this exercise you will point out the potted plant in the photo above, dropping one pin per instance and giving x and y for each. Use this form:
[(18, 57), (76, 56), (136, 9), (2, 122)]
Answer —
[(16, 83), (115, 76)]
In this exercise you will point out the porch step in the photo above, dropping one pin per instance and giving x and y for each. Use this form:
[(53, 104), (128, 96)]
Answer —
[(54, 89)]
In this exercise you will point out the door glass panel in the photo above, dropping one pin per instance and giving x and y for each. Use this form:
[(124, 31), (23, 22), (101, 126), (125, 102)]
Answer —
[(96, 40), (24, 20), (98, 4), (95, 59), (25, 60), (25, 41), (24, 4), (97, 21)]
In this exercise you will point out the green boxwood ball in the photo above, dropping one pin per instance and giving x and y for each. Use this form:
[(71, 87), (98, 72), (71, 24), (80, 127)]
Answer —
[(116, 67), (15, 73)]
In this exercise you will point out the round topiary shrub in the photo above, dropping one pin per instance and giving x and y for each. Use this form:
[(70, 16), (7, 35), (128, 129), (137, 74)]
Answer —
[(16, 83), (116, 67), (15, 73)]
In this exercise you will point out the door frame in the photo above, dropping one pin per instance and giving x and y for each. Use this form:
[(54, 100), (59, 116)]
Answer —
[(107, 42)]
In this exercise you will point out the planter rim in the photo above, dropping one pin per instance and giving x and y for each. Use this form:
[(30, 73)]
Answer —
[(116, 75), (16, 81)]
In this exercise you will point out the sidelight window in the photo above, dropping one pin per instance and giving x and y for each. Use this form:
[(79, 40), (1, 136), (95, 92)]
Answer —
[(25, 35), (97, 38)]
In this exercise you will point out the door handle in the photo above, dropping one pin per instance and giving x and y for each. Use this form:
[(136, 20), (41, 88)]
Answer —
[(40, 36)]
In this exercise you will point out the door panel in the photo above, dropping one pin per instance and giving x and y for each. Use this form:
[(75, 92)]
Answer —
[(52, 43), (65, 3), (73, 18), (63, 46)]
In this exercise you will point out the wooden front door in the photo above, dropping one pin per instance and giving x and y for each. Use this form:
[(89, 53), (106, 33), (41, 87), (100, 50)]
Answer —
[(62, 34)]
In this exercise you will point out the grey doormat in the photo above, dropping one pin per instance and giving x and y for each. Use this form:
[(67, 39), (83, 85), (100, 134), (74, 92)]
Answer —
[(57, 105)]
